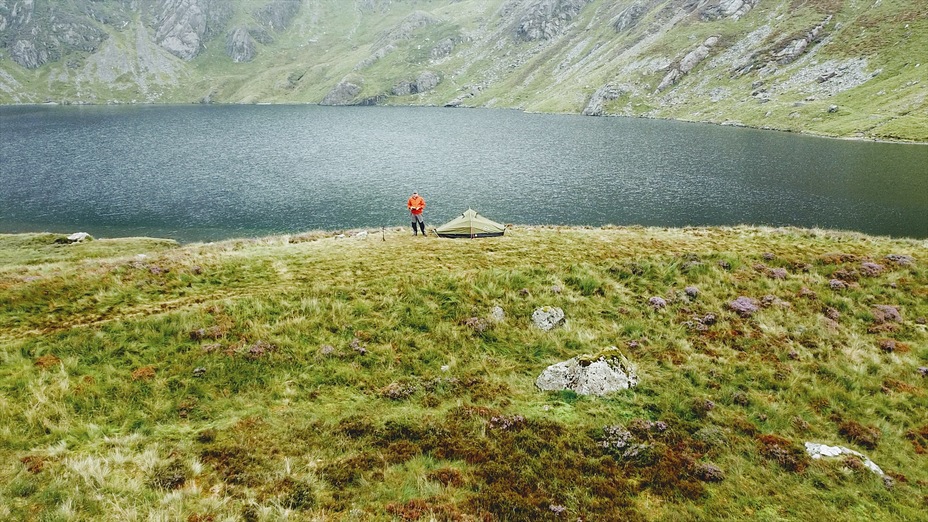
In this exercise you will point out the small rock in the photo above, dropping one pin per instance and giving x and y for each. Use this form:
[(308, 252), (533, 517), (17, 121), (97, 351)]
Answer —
[(524, 292), (886, 313), (725, 265), (900, 259), (361, 235), (657, 303), (556, 289), (709, 472), (832, 109), (708, 319), (777, 273), (744, 306), (832, 314), (691, 291), (837, 284), (327, 349), (871, 269), (888, 345), (547, 317), (497, 315), (768, 256), (921, 320), (923, 370), (199, 372), (806, 293)]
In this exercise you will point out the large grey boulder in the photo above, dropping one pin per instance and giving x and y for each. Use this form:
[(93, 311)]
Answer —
[(599, 375), (547, 317), (546, 19)]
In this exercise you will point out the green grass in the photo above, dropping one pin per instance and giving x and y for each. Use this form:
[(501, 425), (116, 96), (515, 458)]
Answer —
[(308, 377)]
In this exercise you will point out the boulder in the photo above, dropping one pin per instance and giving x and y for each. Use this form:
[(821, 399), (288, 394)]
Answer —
[(547, 317), (546, 19), (608, 372), (818, 451), (497, 315)]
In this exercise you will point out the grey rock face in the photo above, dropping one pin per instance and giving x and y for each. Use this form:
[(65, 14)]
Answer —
[(546, 19), (596, 105), (795, 48), (547, 317), (688, 63), (279, 14), (35, 37), (342, 94), (240, 46), (629, 18), (608, 373), (182, 26)]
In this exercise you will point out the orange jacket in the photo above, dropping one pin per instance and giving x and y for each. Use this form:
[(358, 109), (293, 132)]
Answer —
[(415, 204)]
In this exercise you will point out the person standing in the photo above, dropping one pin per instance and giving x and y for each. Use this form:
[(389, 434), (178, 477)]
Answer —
[(416, 205)]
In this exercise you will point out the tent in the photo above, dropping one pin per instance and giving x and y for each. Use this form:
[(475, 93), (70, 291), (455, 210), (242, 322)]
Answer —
[(470, 224)]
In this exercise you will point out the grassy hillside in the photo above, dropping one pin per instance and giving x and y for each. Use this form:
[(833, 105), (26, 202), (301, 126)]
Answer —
[(830, 67), (360, 378)]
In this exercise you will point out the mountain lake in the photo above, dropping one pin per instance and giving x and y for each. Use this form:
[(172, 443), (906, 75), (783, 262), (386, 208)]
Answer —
[(211, 172)]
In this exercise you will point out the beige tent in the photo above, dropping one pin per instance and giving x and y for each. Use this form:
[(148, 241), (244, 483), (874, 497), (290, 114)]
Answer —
[(470, 224)]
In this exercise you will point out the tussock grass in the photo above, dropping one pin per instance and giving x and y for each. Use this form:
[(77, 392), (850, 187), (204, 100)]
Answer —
[(315, 378)]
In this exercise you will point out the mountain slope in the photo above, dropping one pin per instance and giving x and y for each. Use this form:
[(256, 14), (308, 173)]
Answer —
[(836, 67)]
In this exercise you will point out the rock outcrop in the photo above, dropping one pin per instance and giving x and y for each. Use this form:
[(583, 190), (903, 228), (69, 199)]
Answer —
[(547, 317), (818, 451), (796, 47), (733, 9), (240, 46), (605, 373), (426, 81), (182, 26), (279, 14), (546, 19), (345, 93), (688, 63), (603, 95), (35, 37)]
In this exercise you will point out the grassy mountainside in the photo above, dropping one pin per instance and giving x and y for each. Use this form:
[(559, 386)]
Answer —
[(360, 378), (833, 67)]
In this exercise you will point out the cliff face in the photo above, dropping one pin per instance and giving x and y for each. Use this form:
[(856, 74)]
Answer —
[(826, 66)]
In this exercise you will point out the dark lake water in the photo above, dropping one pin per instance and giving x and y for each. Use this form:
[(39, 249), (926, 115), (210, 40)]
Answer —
[(198, 173)]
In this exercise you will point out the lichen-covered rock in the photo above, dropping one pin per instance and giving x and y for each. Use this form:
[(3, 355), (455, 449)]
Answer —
[(691, 292), (598, 375), (871, 269), (886, 313), (900, 259), (547, 317), (183, 26), (497, 315)]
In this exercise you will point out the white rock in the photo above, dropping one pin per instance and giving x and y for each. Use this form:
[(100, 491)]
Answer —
[(77, 237), (497, 315), (600, 377), (547, 317), (818, 451)]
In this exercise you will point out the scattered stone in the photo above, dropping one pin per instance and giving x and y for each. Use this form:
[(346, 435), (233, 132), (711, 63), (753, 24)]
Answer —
[(871, 269), (396, 391), (260, 349), (196, 270), (818, 451), (620, 442), (740, 398), (709, 472), (793, 354), (921, 320), (768, 256), (657, 303), (888, 345), (777, 273), (806, 293), (923, 370), (76, 237), (690, 265), (213, 332), (556, 289), (701, 407), (900, 259), (524, 292), (199, 372), (610, 371), (832, 313), (547, 317), (886, 313), (831, 108), (326, 350), (477, 324), (708, 319), (837, 284), (691, 291), (506, 423), (360, 235), (725, 265), (744, 306), (357, 346), (497, 315)]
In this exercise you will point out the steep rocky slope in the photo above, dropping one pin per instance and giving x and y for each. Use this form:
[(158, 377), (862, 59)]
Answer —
[(836, 67)]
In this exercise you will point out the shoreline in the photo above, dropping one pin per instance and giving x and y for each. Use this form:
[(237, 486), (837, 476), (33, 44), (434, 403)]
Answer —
[(726, 123)]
